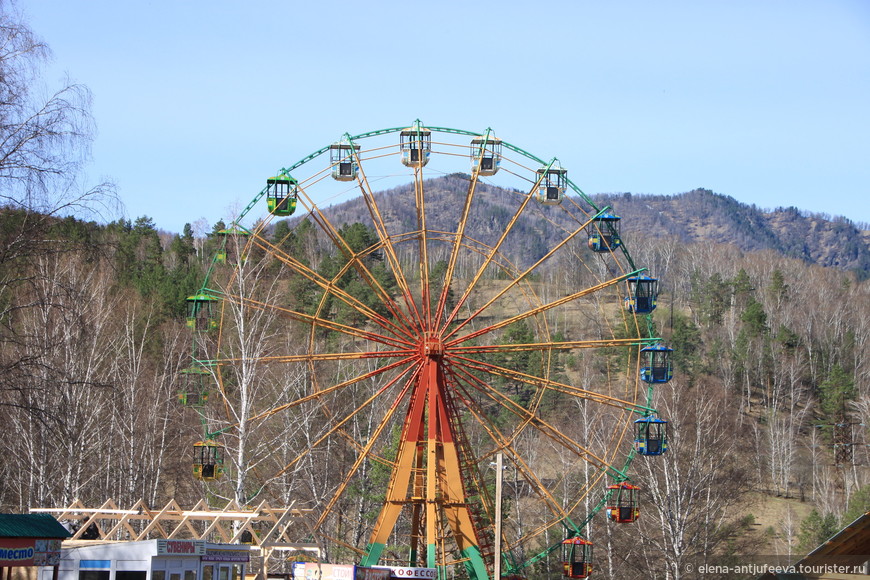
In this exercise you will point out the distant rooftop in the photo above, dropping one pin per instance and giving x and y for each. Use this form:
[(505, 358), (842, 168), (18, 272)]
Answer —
[(31, 526)]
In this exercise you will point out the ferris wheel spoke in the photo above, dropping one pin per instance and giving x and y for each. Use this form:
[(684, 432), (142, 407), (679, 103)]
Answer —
[(423, 244), (540, 309), (371, 281), (552, 346), (536, 422), (551, 385), (504, 444), (386, 241), (339, 426), (488, 259), (365, 451), (317, 357), (459, 237), (328, 390), (316, 321), (331, 288), (518, 279)]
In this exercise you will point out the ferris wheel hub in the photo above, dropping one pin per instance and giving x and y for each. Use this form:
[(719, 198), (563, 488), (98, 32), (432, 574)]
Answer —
[(432, 346)]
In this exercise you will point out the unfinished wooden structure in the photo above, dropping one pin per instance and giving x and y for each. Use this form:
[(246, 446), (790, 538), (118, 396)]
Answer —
[(275, 530)]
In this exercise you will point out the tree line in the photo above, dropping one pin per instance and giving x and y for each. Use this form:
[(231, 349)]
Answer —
[(769, 401)]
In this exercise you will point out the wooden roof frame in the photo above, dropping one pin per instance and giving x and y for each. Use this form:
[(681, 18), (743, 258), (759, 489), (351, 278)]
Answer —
[(269, 526)]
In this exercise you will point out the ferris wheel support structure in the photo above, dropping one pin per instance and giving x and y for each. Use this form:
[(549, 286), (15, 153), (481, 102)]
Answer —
[(438, 363)]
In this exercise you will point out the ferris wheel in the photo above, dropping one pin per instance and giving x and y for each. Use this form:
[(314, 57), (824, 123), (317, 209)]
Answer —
[(486, 314)]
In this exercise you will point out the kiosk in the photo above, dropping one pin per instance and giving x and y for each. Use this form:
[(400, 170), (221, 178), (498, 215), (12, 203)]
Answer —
[(152, 560)]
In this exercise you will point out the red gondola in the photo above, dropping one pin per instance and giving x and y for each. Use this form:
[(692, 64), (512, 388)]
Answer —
[(576, 558), (622, 505)]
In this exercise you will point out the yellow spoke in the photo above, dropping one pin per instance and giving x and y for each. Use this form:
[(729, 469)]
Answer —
[(539, 424), (564, 345), (328, 286), (517, 280), (539, 310), (339, 242), (315, 321), (364, 453), (322, 392), (386, 240), (506, 445), (467, 292), (549, 384)]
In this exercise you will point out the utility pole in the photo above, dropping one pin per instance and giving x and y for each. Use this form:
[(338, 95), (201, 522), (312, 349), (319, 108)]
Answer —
[(496, 569)]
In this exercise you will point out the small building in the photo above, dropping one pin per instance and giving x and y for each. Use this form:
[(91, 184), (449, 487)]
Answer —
[(322, 571), (845, 556), (27, 541), (159, 559)]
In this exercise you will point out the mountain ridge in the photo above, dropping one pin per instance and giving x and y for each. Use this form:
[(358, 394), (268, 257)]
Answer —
[(701, 215), (696, 216)]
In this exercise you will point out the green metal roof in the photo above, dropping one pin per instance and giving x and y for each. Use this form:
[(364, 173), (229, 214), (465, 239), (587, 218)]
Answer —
[(31, 526)]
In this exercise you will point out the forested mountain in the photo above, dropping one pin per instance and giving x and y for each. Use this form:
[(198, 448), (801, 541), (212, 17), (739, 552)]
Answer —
[(703, 216), (768, 314), (769, 352), (698, 216)]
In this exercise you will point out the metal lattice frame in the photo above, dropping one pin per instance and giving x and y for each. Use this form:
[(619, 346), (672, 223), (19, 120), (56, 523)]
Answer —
[(433, 362)]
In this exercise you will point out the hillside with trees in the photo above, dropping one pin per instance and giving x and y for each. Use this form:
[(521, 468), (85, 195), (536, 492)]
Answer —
[(703, 216), (768, 314), (697, 216), (768, 351)]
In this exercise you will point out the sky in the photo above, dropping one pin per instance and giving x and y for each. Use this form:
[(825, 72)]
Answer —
[(197, 102)]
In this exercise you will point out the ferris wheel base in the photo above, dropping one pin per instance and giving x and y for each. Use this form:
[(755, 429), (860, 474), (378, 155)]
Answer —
[(472, 559)]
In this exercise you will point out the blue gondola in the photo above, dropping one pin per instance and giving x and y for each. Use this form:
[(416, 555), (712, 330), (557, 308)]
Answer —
[(657, 368), (643, 293), (605, 233), (651, 437)]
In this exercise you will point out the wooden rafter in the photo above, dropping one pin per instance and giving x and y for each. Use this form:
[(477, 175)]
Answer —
[(268, 525)]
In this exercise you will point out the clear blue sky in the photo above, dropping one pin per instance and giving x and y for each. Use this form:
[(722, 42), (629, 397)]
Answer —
[(198, 102)]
